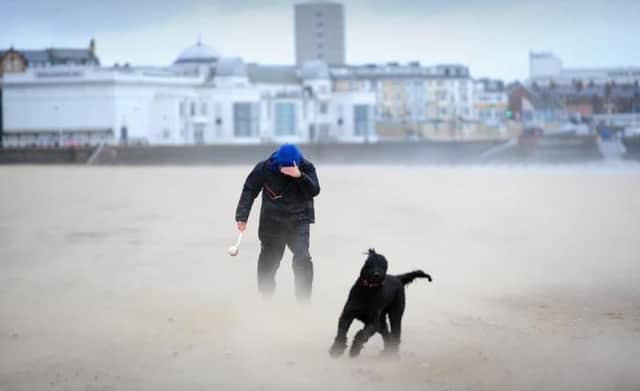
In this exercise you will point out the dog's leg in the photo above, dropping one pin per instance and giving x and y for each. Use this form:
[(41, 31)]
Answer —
[(363, 336), (340, 342), (384, 329), (395, 319)]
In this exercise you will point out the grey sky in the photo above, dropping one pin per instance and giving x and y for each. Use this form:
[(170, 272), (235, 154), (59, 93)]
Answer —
[(493, 37)]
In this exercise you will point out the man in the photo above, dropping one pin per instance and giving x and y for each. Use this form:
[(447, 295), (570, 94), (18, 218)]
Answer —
[(288, 183)]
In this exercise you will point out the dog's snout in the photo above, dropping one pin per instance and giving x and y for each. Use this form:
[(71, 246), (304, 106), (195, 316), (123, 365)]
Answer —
[(376, 274)]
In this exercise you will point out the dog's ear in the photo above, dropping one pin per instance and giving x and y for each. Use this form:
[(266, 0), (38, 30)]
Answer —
[(372, 251)]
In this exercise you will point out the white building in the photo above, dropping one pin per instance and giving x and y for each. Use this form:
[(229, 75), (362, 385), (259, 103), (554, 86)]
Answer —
[(451, 97), (201, 98), (545, 68), (490, 101), (18, 60), (412, 93)]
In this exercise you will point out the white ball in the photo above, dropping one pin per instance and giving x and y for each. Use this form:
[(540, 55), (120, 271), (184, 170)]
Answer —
[(233, 251)]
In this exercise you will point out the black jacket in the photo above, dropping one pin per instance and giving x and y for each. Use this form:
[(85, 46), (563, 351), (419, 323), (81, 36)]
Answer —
[(284, 198)]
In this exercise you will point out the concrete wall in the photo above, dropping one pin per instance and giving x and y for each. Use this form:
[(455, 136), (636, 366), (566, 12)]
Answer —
[(45, 155), (398, 153), (576, 149)]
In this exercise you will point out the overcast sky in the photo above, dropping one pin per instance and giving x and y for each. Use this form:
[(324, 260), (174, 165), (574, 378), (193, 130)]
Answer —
[(492, 37)]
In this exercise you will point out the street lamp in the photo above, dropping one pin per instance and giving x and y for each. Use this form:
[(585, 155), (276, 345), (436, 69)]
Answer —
[(56, 108)]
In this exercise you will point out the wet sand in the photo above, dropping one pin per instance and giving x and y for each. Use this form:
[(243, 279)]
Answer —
[(117, 278)]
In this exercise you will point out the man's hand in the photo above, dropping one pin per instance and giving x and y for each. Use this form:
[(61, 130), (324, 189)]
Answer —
[(242, 225), (293, 171)]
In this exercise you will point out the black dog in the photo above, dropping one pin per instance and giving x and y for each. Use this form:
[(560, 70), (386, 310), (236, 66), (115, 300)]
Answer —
[(373, 297)]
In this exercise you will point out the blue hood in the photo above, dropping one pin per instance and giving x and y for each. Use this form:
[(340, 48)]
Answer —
[(286, 155)]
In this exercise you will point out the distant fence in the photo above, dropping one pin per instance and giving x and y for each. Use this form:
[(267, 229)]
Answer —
[(423, 152), (45, 155), (550, 149), (620, 119)]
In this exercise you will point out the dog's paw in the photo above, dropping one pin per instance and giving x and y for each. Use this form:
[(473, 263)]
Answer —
[(337, 349), (355, 350), (429, 277)]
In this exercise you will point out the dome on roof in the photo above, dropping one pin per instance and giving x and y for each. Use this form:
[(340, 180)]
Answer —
[(231, 67), (198, 53)]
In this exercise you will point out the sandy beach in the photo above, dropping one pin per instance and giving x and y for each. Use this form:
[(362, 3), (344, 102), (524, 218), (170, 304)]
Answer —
[(117, 278)]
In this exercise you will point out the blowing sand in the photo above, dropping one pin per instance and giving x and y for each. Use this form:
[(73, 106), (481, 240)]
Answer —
[(119, 279)]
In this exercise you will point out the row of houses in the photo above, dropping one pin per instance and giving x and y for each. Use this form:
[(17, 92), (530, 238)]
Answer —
[(597, 96), (200, 98), (65, 96), (206, 98), (62, 96), (553, 105), (416, 94)]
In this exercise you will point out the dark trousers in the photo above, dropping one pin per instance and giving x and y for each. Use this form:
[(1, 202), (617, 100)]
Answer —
[(273, 239)]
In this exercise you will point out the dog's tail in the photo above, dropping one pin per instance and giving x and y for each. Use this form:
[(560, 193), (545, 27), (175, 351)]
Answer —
[(408, 278)]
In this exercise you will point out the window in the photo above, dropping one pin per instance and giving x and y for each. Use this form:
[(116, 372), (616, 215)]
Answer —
[(527, 116), (285, 118), (193, 109), (361, 119), (198, 134), (323, 108), (245, 119), (182, 108), (203, 108)]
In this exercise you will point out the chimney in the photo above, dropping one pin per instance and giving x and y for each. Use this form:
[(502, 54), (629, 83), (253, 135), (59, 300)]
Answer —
[(92, 47)]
